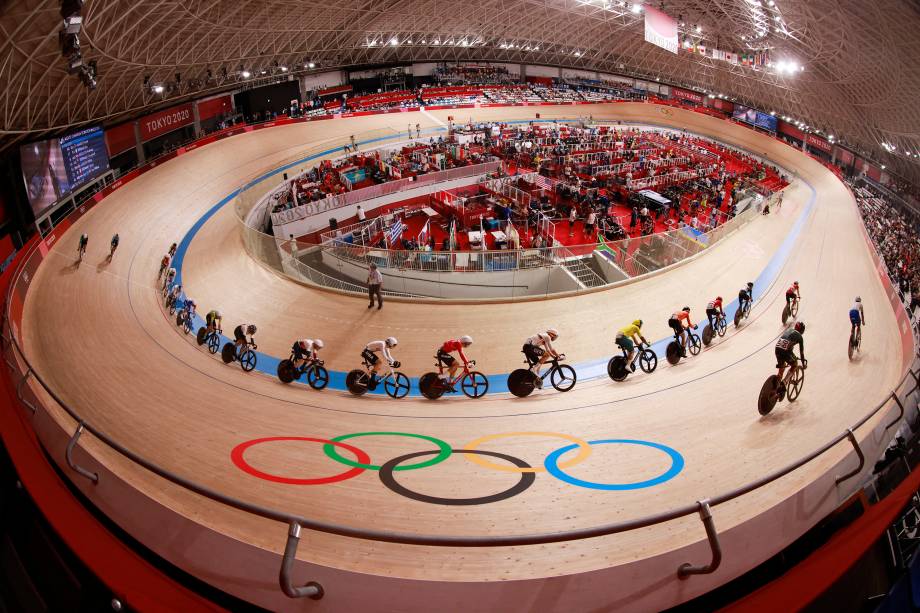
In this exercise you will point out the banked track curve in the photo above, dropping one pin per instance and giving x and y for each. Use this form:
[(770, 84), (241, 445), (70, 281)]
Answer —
[(168, 401)]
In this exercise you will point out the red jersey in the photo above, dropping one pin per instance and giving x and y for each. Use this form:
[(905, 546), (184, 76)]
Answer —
[(454, 345), (715, 304), (792, 291)]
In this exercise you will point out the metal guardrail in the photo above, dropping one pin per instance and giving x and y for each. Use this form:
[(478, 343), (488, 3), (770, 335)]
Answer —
[(23, 369)]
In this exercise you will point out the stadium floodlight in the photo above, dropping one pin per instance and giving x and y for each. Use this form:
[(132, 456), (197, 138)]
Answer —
[(158, 89), (73, 24), (246, 74), (636, 8)]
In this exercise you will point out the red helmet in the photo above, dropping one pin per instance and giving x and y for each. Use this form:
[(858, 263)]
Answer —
[(800, 326), (719, 298)]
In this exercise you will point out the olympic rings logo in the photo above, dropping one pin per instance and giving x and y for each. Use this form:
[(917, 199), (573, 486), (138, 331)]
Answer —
[(358, 461)]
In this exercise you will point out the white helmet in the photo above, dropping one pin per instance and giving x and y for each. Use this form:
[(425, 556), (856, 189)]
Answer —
[(553, 332), (318, 343), (391, 341), (466, 339)]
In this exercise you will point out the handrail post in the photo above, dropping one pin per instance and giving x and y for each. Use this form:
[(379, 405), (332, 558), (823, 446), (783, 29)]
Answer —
[(312, 589), (686, 569), (94, 477), (19, 391), (859, 454), (900, 416)]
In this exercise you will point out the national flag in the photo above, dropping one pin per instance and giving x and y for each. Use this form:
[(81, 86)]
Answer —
[(396, 230)]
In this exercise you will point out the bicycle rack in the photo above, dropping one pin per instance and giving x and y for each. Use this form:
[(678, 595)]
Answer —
[(859, 454), (312, 589), (69, 455), (686, 569)]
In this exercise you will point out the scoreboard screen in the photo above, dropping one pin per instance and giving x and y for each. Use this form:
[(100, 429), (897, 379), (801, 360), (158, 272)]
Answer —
[(85, 155)]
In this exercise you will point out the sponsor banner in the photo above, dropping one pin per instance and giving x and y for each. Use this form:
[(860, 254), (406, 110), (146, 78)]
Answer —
[(660, 29), (332, 91), (790, 130), (684, 94), (844, 156), (818, 143), (166, 121)]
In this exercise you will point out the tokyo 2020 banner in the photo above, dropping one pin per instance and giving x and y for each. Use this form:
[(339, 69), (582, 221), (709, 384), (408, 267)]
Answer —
[(660, 29)]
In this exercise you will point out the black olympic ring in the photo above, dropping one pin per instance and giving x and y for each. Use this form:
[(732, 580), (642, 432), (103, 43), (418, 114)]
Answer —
[(386, 476)]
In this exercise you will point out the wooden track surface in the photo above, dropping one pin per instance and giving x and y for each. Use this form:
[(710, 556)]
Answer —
[(97, 334)]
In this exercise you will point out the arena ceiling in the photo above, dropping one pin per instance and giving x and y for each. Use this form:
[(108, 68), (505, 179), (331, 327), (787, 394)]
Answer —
[(860, 78)]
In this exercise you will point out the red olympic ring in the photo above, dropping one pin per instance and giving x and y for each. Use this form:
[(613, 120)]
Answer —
[(237, 456)]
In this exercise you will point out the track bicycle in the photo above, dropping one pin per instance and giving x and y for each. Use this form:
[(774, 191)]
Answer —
[(472, 383), (791, 310), (184, 320), (618, 368), (395, 383), (246, 357), (674, 351), (774, 390), (522, 381), (710, 332), (317, 375), (212, 338), (742, 313), (855, 342)]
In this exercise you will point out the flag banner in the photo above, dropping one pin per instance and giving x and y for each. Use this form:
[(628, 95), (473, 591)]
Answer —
[(661, 29), (396, 230)]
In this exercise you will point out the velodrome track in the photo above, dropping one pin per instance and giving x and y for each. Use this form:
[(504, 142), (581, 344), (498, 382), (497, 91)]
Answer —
[(98, 336)]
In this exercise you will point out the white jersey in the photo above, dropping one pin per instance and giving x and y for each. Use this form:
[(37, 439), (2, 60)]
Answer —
[(857, 306), (307, 345), (380, 347), (540, 339)]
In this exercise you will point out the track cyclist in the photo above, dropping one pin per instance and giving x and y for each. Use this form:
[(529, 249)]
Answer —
[(213, 319), (857, 316), (627, 339), (239, 337), (168, 279), (113, 245), (680, 323), (172, 250), (784, 349), (538, 349), (373, 360), (189, 306), (306, 349), (745, 295), (81, 248), (793, 294), (174, 293), (164, 264), (444, 355), (714, 309)]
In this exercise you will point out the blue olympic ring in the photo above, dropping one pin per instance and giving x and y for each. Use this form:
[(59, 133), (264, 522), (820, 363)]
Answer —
[(677, 464)]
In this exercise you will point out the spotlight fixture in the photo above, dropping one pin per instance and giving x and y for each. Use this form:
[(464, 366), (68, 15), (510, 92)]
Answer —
[(158, 89), (246, 74)]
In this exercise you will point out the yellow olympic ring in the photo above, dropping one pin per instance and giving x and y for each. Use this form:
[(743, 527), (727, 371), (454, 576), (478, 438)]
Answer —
[(584, 450)]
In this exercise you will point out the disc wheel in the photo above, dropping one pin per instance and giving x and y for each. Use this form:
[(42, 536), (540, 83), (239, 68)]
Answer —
[(286, 371), (521, 382), (616, 368), (248, 360), (318, 377), (474, 384), (707, 335), (356, 381), (430, 386), (396, 385), (563, 378), (228, 353), (648, 361), (202, 335), (738, 318), (768, 395), (672, 353)]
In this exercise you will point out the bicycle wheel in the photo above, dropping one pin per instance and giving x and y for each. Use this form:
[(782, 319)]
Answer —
[(213, 343), (795, 385), (794, 311), (768, 395), (616, 368), (851, 346), (430, 386), (707, 335), (187, 324), (858, 338), (738, 318), (693, 344), (202, 335), (396, 385), (521, 382), (172, 307), (318, 377), (474, 384), (563, 378), (356, 382), (180, 320), (227, 353), (672, 353), (785, 314), (286, 371), (248, 360), (721, 327), (648, 361)]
